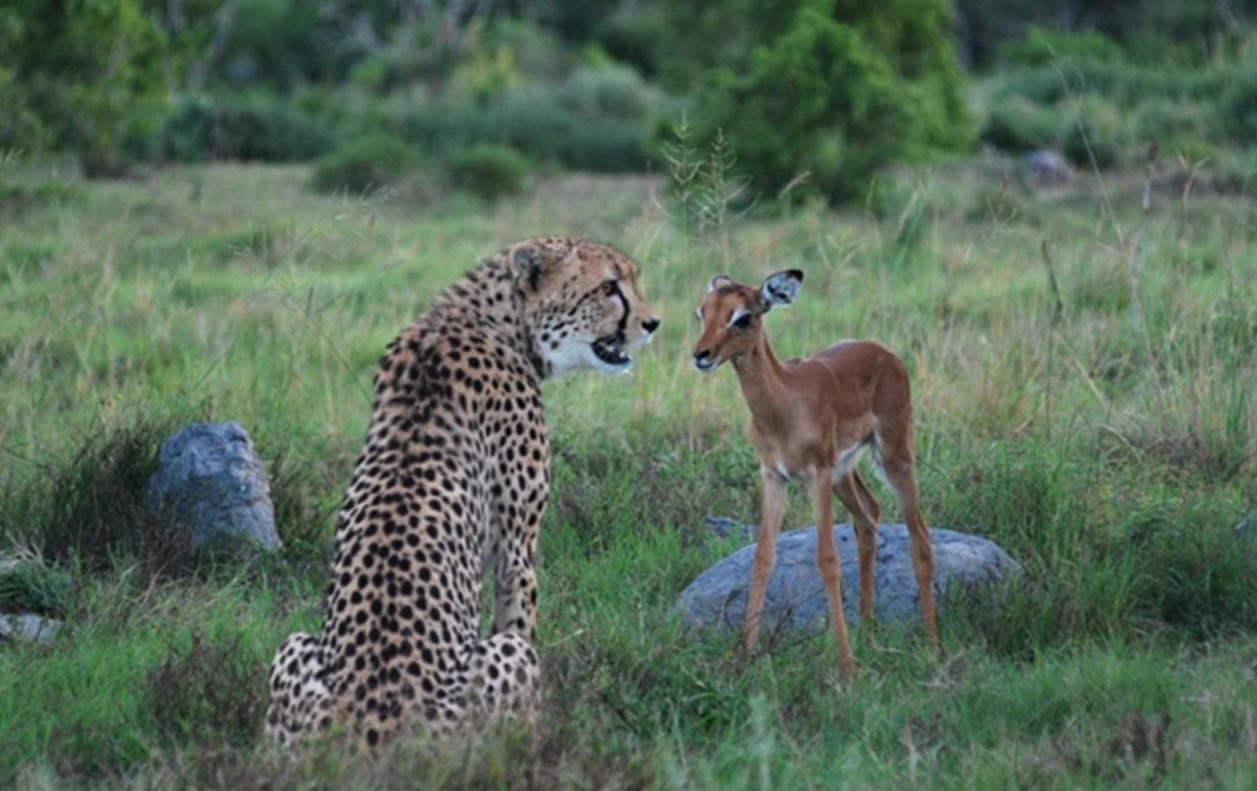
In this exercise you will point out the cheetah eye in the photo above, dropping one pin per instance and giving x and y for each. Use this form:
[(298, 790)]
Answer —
[(743, 321), (611, 288)]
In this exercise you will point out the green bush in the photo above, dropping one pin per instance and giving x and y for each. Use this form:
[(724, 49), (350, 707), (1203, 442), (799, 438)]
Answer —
[(489, 171), (31, 587), (607, 91), (20, 128), (597, 119), (837, 101), (32, 193), (88, 512), (367, 163), (1122, 106), (1097, 136), (1167, 121), (1040, 47), (259, 128), (93, 72), (1021, 125), (1126, 84), (1238, 106)]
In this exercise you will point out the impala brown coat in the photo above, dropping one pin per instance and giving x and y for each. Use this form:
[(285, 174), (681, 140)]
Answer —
[(810, 418)]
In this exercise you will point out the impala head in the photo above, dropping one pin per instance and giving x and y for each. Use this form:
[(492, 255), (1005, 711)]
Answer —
[(730, 315)]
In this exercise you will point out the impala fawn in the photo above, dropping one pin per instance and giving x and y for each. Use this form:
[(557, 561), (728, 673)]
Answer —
[(809, 421)]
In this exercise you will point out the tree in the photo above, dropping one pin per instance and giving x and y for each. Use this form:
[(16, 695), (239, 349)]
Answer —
[(91, 70), (848, 87), (20, 127)]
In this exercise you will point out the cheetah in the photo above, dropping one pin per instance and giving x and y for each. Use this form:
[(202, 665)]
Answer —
[(453, 482)]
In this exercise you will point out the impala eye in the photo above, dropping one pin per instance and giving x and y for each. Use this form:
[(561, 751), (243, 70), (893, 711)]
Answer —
[(743, 321), (698, 315)]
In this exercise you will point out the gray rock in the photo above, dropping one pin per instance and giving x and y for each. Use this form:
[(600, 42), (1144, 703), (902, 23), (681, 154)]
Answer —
[(211, 483), (726, 528), (1247, 527), (796, 597), (28, 628), (1047, 167)]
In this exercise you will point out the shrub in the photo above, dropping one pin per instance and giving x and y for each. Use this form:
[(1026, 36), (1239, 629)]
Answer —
[(30, 587), (608, 91), (1121, 83), (20, 127), (597, 119), (20, 194), (1097, 136), (92, 71), (838, 101), (89, 510), (1120, 105), (257, 128), (367, 163), (1020, 125), (489, 171), (1041, 47), (1168, 121), (1238, 106)]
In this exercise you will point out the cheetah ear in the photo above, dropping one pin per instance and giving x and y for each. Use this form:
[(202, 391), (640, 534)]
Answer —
[(780, 288), (532, 261)]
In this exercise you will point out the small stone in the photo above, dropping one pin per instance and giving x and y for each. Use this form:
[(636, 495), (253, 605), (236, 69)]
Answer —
[(27, 628), (1047, 167), (211, 483), (795, 595), (1247, 527), (726, 528)]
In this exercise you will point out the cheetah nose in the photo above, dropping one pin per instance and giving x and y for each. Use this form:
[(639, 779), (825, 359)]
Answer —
[(650, 325)]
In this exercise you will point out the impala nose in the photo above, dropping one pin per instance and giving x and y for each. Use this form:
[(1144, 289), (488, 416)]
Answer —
[(703, 360)]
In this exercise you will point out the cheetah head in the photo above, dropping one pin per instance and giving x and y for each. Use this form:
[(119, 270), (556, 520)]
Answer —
[(581, 304)]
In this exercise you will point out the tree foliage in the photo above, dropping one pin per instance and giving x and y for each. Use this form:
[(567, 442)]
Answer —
[(91, 71), (846, 88), (833, 88)]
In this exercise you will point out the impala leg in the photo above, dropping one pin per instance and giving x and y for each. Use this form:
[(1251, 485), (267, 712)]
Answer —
[(902, 478), (830, 568), (773, 508), (864, 511)]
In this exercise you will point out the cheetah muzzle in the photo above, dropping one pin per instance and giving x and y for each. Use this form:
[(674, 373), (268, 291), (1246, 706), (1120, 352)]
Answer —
[(611, 350)]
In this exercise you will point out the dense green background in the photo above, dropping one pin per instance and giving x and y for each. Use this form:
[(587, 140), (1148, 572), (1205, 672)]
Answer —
[(814, 96)]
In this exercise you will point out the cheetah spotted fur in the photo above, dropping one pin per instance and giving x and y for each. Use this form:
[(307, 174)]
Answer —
[(452, 483)]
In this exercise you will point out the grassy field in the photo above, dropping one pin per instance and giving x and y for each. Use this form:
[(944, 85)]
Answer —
[(1109, 445)]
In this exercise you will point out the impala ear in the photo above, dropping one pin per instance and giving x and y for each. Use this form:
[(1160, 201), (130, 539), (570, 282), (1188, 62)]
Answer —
[(718, 281), (780, 288), (531, 261)]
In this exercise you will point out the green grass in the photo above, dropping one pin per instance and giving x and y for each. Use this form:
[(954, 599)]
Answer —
[(1113, 467)]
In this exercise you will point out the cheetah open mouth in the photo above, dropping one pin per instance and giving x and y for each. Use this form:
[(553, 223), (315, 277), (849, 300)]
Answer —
[(610, 350)]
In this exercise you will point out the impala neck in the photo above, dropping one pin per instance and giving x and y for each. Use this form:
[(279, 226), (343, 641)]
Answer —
[(763, 381)]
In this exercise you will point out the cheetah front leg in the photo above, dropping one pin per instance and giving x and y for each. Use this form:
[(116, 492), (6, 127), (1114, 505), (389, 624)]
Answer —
[(299, 698), (515, 587), (517, 523), (503, 680)]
